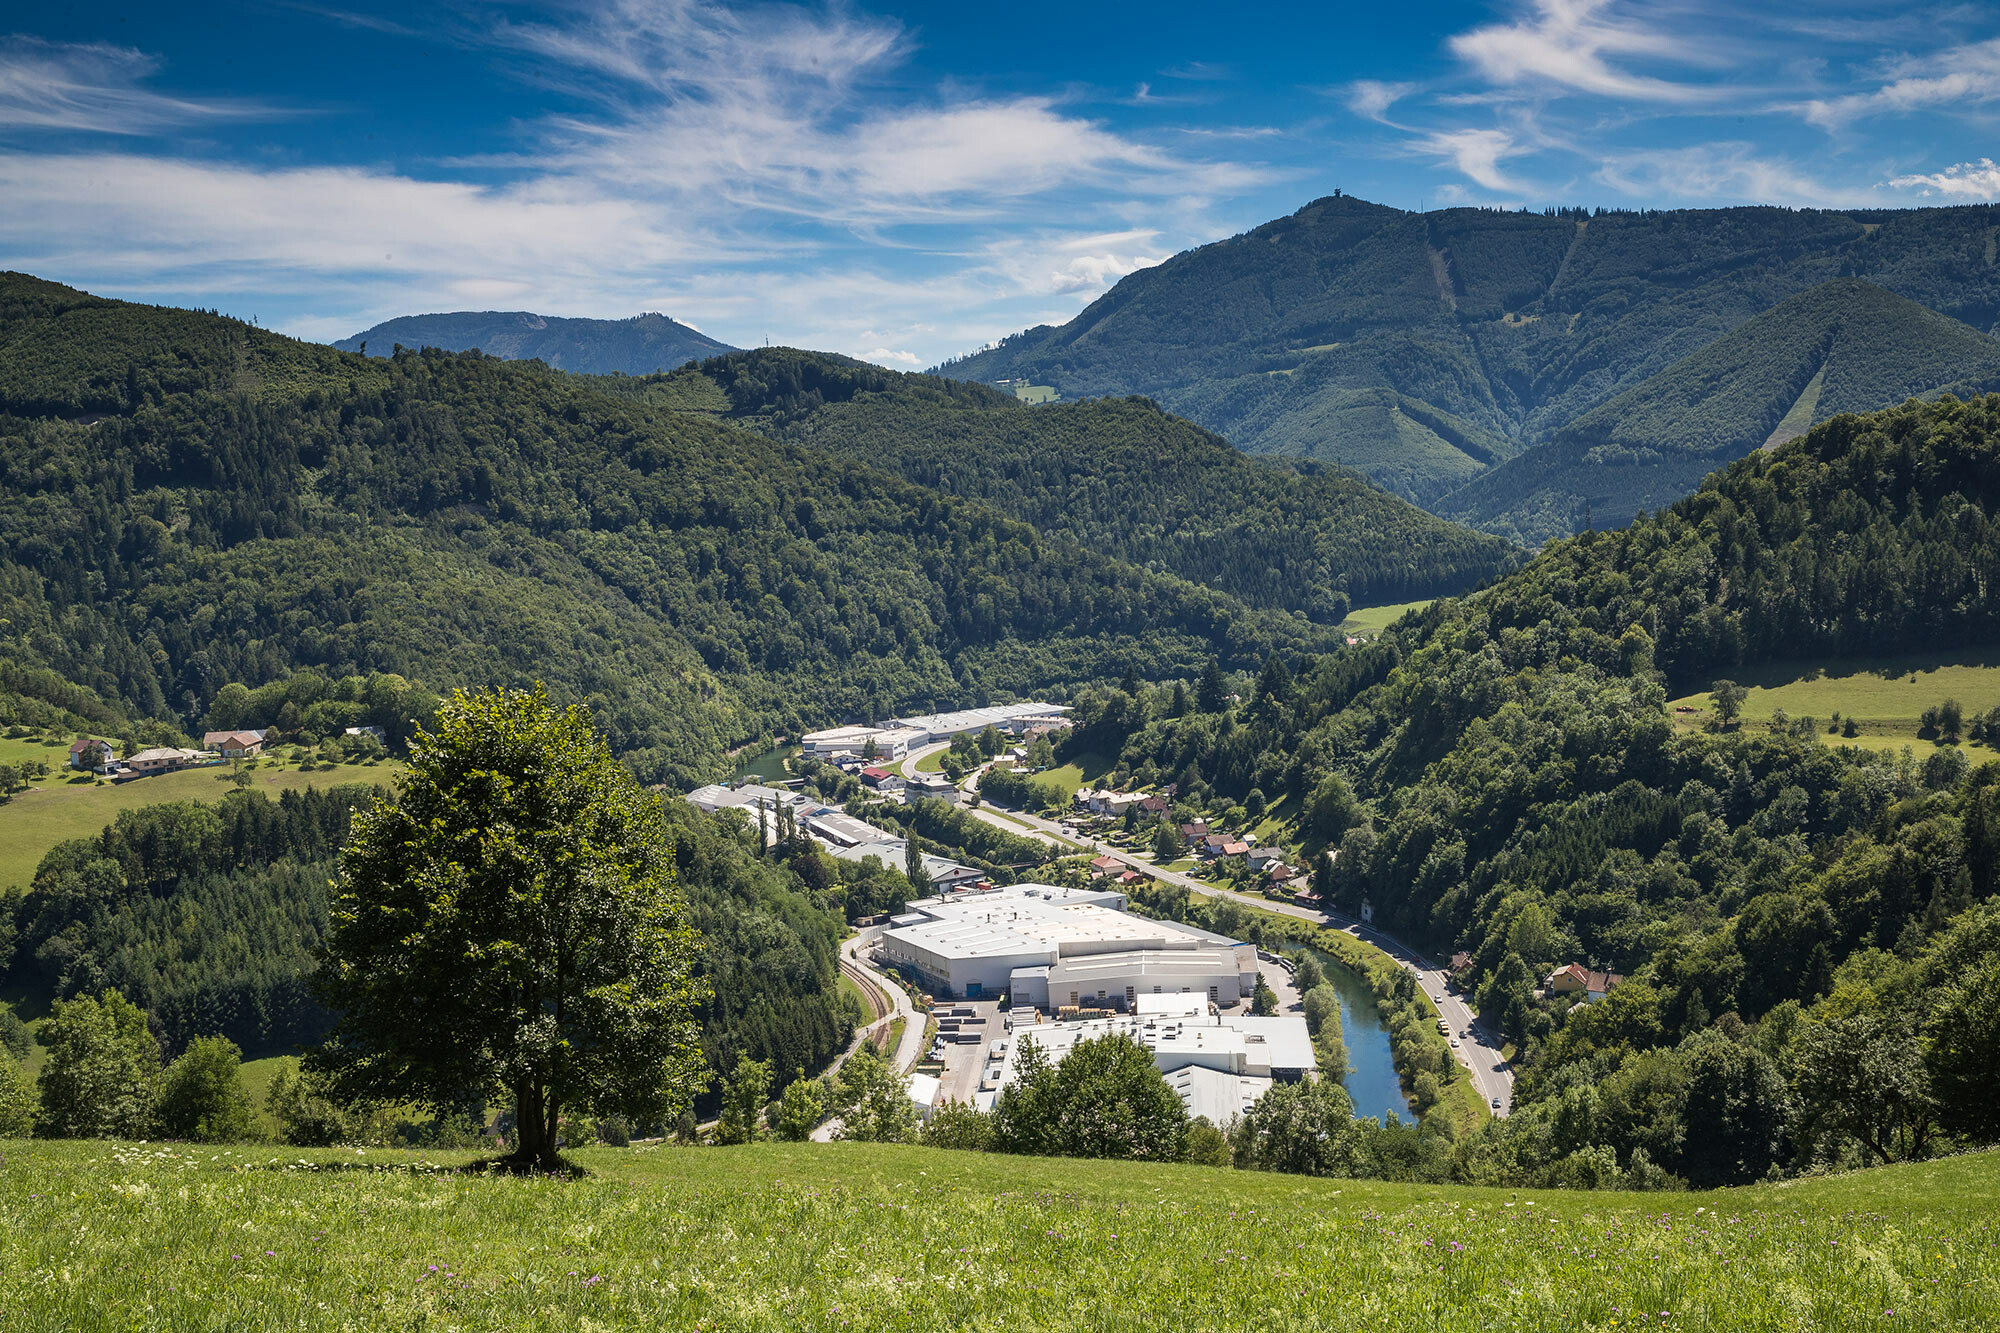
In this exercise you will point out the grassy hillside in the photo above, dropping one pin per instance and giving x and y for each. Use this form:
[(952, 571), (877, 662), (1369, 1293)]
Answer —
[(187, 501), (61, 807), (860, 1236), (1421, 348), (1885, 696), (636, 346), (1844, 346), (1120, 476)]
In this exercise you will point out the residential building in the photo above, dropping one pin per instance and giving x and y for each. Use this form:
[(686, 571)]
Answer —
[(162, 759), (239, 744), (91, 755), (881, 779), (1574, 978)]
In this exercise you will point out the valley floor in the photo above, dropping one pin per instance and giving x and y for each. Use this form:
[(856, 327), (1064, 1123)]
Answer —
[(104, 1235)]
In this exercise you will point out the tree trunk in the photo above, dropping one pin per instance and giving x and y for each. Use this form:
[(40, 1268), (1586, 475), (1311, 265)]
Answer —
[(534, 1131)]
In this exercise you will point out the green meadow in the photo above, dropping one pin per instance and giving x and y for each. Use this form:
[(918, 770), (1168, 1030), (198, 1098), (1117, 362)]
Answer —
[(64, 806), (1885, 696), (1372, 620), (101, 1236)]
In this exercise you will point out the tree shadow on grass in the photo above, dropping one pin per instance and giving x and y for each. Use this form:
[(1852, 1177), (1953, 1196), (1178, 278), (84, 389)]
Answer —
[(483, 1166)]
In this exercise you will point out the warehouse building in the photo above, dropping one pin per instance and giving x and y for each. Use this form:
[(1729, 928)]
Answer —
[(1046, 946), (890, 742), (1008, 719), (1219, 1063)]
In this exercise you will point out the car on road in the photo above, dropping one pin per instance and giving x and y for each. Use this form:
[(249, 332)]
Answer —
[(1437, 997), (1496, 1103), (1454, 1043)]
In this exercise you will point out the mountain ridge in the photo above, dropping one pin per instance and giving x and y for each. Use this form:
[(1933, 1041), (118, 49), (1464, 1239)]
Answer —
[(639, 345)]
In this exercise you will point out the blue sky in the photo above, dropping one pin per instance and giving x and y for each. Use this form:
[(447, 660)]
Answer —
[(905, 182)]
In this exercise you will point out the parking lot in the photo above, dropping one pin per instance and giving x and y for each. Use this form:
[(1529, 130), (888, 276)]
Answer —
[(965, 1061)]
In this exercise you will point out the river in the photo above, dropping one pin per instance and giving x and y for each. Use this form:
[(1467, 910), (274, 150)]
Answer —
[(1372, 1083)]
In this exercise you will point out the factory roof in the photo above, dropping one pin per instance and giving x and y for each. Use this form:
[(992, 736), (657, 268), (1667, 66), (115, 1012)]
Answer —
[(970, 719), (1216, 1096)]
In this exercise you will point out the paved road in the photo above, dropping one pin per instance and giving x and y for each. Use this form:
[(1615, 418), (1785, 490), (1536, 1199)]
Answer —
[(854, 962), (1477, 1051), (907, 766)]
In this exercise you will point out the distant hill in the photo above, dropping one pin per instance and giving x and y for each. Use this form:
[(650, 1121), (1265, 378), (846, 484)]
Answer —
[(1119, 475), (636, 346), (187, 501), (1423, 349), (1844, 346)]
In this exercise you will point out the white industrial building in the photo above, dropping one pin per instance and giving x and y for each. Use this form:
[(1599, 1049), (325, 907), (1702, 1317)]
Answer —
[(844, 836), (1010, 719), (1219, 1063), (890, 742), (1048, 947)]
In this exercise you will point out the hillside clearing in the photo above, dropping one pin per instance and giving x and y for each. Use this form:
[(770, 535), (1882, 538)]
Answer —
[(1372, 620), (58, 809), (1884, 695), (853, 1235)]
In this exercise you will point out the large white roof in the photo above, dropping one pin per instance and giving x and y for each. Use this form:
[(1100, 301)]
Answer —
[(969, 719)]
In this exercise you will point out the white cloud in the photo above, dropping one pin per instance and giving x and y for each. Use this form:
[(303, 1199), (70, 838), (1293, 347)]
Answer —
[(884, 354), (1955, 75), (92, 87), (1372, 98), (1478, 154), (1966, 180), (1575, 44), (1723, 173)]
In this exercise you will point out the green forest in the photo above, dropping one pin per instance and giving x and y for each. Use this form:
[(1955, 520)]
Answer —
[(207, 916), (1116, 475), (1808, 931), (188, 503), (1426, 348)]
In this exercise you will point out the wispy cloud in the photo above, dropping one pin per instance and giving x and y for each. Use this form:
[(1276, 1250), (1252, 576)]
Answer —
[(1477, 153), (1372, 98), (1965, 180), (1583, 45), (1955, 76), (1724, 173), (93, 88)]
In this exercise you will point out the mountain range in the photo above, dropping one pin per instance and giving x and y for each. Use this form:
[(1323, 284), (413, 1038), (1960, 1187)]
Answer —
[(636, 346), (1427, 350)]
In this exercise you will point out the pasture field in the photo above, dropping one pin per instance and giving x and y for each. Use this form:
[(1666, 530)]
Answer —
[(60, 808), (1372, 620), (1885, 696), (100, 1236), (1084, 771)]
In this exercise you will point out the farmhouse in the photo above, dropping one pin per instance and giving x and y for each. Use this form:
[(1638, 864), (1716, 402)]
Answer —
[(235, 744), (1574, 978), (163, 759), (90, 755)]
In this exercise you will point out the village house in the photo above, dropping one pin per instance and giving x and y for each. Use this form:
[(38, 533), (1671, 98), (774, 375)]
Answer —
[(90, 755), (1195, 832), (162, 759), (1100, 866), (881, 779), (1153, 805), (236, 744), (1574, 979), (1260, 857), (374, 731)]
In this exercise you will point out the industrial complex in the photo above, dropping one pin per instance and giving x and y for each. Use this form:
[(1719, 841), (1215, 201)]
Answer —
[(1047, 947)]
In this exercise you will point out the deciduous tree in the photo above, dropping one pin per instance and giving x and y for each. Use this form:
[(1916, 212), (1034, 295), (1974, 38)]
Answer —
[(508, 924)]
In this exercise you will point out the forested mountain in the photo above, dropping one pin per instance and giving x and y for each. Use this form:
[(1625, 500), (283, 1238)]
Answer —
[(1844, 346), (1804, 926), (186, 501), (1424, 348), (207, 916), (1119, 476), (636, 346)]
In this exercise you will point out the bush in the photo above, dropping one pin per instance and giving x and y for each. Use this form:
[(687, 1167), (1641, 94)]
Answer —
[(201, 1095)]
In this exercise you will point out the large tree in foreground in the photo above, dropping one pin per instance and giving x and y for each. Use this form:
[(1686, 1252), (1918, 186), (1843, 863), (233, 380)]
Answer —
[(508, 925)]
